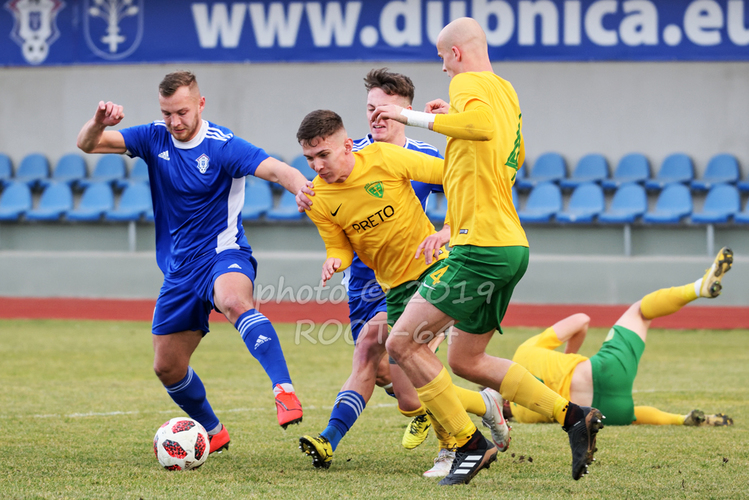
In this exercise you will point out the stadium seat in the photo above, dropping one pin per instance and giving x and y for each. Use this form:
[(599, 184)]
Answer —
[(742, 217), (633, 167), (543, 203), (286, 209), (586, 203), (722, 203), (520, 174), (96, 200), (258, 199), (148, 217), (33, 169), (110, 168), (56, 200), (743, 186), (590, 168), (15, 201), (6, 170), (70, 169), (629, 203), (722, 168), (549, 167), (138, 174), (134, 203), (676, 168), (437, 207), (300, 163), (673, 204)]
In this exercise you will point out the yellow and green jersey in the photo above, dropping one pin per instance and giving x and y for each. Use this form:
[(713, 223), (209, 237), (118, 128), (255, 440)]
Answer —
[(551, 367), (376, 213), (484, 151)]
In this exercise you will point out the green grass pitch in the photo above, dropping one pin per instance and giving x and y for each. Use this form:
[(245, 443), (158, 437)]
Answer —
[(79, 405)]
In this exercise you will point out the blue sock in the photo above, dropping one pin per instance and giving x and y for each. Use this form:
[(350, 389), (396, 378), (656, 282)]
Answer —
[(260, 338), (347, 408), (189, 394)]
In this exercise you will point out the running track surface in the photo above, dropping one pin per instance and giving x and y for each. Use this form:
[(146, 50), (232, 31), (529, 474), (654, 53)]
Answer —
[(531, 315)]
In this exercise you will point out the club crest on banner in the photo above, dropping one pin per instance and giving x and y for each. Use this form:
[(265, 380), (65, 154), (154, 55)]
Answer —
[(35, 26), (113, 28), (203, 163)]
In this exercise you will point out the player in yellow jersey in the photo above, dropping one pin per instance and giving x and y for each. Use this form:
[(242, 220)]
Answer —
[(364, 203), (606, 379), (489, 256)]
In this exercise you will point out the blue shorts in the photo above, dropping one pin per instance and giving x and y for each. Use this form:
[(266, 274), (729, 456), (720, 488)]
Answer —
[(365, 299), (186, 297)]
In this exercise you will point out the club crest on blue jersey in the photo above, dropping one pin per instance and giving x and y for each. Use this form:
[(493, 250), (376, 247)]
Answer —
[(203, 163)]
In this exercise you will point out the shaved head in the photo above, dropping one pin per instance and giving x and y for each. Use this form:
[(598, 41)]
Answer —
[(462, 47)]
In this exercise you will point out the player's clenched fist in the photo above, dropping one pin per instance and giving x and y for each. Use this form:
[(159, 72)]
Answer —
[(109, 114), (437, 107)]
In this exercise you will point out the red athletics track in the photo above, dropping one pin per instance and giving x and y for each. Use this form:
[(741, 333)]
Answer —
[(532, 315)]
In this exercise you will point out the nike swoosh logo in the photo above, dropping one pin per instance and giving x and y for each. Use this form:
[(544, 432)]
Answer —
[(336, 210)]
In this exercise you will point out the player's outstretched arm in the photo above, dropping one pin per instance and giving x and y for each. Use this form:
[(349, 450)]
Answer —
[(572, 330), (274, 170), (94, 138)]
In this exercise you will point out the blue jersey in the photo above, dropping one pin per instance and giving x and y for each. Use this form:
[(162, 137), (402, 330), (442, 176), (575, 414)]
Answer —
[(197, 188), (358, 269)]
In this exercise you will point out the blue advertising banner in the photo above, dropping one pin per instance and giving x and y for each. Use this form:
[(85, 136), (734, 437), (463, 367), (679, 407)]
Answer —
[(34, 32)]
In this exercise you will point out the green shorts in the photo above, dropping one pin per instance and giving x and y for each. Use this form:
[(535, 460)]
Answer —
[(399, 296), (614, 368), (473, 285)]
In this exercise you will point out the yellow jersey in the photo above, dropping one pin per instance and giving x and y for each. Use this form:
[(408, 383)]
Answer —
[(551, 367), (376, 213), (484, 151)]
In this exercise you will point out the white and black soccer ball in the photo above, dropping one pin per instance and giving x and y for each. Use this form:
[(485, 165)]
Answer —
[(181, 444)]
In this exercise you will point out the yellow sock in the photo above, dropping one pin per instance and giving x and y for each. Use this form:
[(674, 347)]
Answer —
[(446, 440), (521, 387), (441, 401), (472, 401), (654, 416), (667, 301), (413, 413)]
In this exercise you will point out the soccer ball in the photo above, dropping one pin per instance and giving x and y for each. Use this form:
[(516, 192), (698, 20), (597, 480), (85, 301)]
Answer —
[(181, 444)]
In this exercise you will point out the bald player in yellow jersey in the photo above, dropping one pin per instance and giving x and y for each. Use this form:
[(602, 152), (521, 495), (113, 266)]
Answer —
[(364, 203), (606, 378), (489, 256)]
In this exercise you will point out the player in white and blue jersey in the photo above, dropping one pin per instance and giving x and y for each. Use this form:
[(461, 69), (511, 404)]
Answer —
[(197, 175)]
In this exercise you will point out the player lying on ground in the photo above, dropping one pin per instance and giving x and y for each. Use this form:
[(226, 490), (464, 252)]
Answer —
[(197, 173), (605, 380), (364, 203)]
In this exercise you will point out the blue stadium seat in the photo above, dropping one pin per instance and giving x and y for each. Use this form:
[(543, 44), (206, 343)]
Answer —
[(633, 167), (676, 168), (148, 217), (591, 168), (33, 169), (549, 167), (6, 170), (437, 207), (520, 174), (300, 163), (586, 203), (258, 199), (96, 200), (15, 201), (742, 217), (71, 169), (543, 203), (629, 203), (56, 200), (286, 209), (743, 186), (673, 204), (134, 203), (722, 168), (722, 203), (110, 168), (138, 174)]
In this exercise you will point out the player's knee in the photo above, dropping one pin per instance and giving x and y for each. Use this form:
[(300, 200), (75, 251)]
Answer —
[(167, 373), (234, 307), (462, 367), (394, 346)]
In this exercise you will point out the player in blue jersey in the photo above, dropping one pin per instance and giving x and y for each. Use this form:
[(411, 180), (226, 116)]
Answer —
[(368, 313), (197, 174)]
